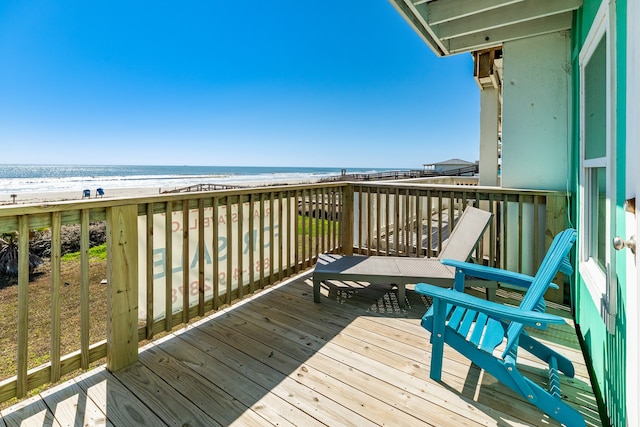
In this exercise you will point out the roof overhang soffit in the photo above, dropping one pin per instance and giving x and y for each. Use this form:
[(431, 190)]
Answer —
[(455, 26)]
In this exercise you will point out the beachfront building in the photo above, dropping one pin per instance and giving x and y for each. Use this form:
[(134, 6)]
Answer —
[(447, 165), (558, 83)]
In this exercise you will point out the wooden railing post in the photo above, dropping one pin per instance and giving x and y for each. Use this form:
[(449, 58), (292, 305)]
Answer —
[(122, 293), (346, 220), (556, 221)]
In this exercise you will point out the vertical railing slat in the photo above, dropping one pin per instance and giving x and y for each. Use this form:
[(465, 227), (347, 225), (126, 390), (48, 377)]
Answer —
[(185, 261), (419, 252), (440, 222), (290, 217), (216, 253), (378, 220), (505, 235), (280, 232), (201, 250), (56, 221), (23, 306), (304, 220), (252, 243), (360, 219), (452, 212), (323, 216), (261, 234), (387, 234), (272, 237), (536, 231), (396, 221), (168, 266), (149, 277), (430, 227), (238, 271), (407, 223), (84, 289), (520, 232), (492, 233), (229, 275), (299, 218), (369, 220)]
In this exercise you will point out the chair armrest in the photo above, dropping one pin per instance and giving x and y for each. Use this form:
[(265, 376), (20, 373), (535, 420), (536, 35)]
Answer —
[(491, 309), (492, 273)]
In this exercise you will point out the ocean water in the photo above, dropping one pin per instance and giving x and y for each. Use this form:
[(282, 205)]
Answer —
[(16, 179)]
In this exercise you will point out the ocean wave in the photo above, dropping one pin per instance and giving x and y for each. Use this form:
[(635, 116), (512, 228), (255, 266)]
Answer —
[(15, 179)]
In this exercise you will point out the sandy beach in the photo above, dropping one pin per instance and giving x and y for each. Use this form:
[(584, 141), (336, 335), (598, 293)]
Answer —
[(62, 196)]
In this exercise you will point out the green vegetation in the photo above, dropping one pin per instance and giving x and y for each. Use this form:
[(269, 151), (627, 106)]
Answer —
[(97, 253), (308, 225)]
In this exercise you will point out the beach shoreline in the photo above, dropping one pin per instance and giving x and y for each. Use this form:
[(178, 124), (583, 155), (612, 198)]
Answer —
[(69, 196), (23, 198)]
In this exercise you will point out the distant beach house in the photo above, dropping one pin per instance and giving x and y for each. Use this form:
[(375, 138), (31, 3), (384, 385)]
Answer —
[(447, 165), (559, 89)]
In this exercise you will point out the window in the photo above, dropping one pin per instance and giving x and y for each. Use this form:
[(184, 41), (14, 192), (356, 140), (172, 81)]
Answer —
[(596, 142)]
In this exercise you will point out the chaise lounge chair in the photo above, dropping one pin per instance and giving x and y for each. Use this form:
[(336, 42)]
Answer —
[(401, 271), (475, 328)]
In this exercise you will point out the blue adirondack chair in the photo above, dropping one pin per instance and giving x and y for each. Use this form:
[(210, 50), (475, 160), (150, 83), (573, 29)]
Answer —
[(454, 314)]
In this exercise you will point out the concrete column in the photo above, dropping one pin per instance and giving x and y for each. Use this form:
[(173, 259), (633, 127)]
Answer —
[(489, 114)]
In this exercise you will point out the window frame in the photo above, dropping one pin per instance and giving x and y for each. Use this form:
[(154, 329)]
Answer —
[(595, 277)]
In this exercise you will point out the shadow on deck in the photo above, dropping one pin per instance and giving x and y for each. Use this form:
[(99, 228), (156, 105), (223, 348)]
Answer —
[(279, 359)]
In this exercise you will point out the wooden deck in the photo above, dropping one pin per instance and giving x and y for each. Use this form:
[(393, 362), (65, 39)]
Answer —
[(279, 359)]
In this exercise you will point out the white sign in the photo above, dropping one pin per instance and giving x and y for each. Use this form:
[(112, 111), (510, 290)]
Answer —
[(224, 242)]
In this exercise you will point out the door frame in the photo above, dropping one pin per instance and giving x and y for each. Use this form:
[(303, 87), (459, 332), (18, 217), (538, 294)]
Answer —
[(633, 186)]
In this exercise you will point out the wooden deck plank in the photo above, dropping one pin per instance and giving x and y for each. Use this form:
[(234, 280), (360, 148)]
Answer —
[(29, 412), (308, 400), (556, 336), (116, 401), (70, 406), (271, 407), (250, 338), (283, 348), (576, 390), (165, 401), (213, 401), (358, 358)]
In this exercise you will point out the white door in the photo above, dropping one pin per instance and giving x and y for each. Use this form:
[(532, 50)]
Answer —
[(633, 220)]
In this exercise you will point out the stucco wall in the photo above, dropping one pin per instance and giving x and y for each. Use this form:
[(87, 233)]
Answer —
[(536, 112)]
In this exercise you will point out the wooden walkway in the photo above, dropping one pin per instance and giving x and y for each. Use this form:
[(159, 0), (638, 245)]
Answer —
[(279, 359)]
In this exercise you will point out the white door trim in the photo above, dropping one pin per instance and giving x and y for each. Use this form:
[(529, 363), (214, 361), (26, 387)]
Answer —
[(633, 160)]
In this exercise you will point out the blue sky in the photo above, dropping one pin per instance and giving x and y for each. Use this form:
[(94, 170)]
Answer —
[(278, 83)]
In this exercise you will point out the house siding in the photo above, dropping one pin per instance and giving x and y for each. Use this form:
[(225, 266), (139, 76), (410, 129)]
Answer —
[(535, 116), (607, 352)]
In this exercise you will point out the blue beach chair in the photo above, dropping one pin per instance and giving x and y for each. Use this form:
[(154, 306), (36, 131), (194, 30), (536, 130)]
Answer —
[(99, 192), (474, 327), (86, 193)]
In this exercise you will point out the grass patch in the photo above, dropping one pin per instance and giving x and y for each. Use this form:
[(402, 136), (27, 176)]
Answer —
[(95, 253), (314, 226)]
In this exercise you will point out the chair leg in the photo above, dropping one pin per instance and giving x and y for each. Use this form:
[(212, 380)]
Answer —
[(556, 408), (544, 353), (437, 340), (402, 294), (316, 290)]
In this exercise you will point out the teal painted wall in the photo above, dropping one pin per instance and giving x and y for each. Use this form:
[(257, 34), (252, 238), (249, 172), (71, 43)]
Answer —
[(607, 352)]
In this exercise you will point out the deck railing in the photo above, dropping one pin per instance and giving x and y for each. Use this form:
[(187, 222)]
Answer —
[(171, 258)]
